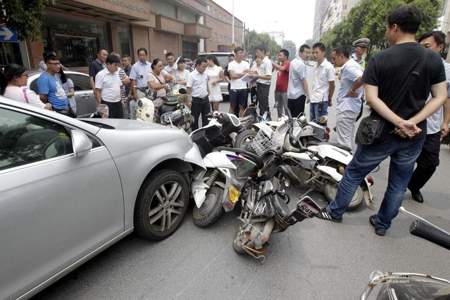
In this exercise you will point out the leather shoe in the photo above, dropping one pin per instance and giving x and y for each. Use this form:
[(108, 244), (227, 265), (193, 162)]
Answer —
[(417, 196), (378, 230)]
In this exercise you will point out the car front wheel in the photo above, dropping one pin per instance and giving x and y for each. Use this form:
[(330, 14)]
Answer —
[(161, 205)]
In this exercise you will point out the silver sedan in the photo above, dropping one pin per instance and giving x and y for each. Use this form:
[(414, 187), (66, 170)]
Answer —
[(71, 188)]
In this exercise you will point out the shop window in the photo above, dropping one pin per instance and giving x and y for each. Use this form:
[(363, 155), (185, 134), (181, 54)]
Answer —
[(10, 53), (123, 40), (190, 49), (76, 41)]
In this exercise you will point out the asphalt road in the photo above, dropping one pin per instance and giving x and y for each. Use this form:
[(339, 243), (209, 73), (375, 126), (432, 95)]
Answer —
[(311, 260)]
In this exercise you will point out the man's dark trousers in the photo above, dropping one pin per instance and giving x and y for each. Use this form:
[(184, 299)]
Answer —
[(297, 106), (427, 162), (262, 96), (200, 106)]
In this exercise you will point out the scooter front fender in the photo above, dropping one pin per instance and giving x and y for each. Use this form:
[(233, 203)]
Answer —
[(368, 196)]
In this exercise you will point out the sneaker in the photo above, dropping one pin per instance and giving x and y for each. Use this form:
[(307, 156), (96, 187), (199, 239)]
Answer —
[(417, 196), (378, 230), (325, 215)]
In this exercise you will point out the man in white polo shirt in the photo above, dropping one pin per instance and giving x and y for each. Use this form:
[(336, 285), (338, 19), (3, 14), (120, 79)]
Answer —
[(197, 86), (323, 84), (264, 76), (108, 87), (348, 101), (238, 68), (298, 85)]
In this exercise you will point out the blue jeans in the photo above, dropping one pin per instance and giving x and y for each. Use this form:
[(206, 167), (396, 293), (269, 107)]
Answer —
[(403, 153), (314, 109), (323, 109)]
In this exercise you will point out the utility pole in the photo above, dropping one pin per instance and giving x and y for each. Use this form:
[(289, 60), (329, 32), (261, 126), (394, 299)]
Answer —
[(232, 22)]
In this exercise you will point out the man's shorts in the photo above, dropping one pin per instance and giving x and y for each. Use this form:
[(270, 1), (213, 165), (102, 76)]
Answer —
[(239, 98)]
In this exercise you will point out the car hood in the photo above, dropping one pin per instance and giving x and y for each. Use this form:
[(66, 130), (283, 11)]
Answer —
[(124, 124)]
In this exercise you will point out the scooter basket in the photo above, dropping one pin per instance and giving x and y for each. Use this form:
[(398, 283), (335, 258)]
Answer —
[(261, 143)]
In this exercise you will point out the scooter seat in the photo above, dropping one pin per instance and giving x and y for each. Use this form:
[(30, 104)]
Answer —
[(339, 146)]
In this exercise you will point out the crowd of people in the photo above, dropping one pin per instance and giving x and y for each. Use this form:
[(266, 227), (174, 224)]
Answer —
[(397, 83)]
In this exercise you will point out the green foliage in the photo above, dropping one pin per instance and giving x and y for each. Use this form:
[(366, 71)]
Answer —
[(368, 19), (255, 39), (25, 16)]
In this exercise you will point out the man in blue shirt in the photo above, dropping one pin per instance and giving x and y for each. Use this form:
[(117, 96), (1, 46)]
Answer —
[(50, 89), (139, 74), (348, 102)]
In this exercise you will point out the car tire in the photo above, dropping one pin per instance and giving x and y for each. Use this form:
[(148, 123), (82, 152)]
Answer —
[(211, 209), (161, 205)]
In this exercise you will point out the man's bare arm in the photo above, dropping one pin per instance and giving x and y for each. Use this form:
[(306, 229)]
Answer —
[(306, 86), (330, 92), (98, 96), (445, 128), (44, 98)]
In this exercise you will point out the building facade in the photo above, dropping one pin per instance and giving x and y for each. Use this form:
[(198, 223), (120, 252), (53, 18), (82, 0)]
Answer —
[(328, 13), (319, 14), (76, 29)]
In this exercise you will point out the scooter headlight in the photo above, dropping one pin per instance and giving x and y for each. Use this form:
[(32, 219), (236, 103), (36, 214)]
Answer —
[(233, 194)]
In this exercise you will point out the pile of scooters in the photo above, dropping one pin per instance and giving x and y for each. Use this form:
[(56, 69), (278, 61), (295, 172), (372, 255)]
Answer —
[(250, 163)]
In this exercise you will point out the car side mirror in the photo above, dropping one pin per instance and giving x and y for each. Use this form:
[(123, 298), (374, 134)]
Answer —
[(80, 142)]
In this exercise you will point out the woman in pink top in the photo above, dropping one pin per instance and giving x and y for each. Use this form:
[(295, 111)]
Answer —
[(13, 85)]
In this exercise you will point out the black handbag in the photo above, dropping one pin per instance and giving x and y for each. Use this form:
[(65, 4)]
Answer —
[(371, 128)]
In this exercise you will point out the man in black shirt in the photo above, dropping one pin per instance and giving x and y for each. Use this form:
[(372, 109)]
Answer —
[(421, 71), (97, 65)]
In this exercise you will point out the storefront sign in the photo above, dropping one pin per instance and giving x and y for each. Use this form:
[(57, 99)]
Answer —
[(7, 34)]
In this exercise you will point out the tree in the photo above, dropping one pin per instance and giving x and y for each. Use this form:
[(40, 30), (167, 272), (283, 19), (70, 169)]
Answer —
[(25, 16), (368, 19), (255, 39), (291, 47)]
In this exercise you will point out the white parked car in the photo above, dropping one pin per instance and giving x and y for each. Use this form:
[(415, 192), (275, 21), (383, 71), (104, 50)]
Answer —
[(70, 188), (84, 96)]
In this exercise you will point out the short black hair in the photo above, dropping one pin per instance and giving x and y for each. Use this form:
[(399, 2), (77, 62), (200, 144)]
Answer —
[(303, 47), (200, 60), (407, 18), (169, 54), (142, 49), (126, 56), (261, 48), (181, 60), (285, 52), (321, 46), (237, 49), (437, 35), (155, 62), (101, 49), (51, 55), (113, 59), (342, 51)]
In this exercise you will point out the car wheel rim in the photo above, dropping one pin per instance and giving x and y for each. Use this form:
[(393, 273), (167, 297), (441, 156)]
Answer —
[(166, 206)]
